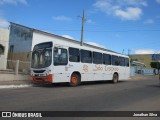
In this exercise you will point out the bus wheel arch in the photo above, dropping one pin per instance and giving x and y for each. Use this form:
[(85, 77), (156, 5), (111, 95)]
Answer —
[(75, 79), (115, 77)]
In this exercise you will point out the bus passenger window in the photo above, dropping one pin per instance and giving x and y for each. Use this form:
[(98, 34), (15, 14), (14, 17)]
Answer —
[(97, 58), (121, 61), (106, 59), (86, 56), (126, 62), (115, 60), (74, 55), (60, 58)]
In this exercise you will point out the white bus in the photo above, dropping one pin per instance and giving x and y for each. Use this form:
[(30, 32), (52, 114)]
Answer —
[(66, 60)]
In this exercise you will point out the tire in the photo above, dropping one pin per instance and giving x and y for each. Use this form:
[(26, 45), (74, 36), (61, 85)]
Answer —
[(74, 80), (115, 78)]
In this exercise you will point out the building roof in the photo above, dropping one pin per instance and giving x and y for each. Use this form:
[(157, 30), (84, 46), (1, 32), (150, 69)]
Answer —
[(136, 63), (68, 39)]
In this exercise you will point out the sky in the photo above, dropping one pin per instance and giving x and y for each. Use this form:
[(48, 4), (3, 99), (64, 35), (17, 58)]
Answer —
[(124, 26)]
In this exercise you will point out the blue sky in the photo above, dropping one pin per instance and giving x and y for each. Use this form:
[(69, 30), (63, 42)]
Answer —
[(118, 25)]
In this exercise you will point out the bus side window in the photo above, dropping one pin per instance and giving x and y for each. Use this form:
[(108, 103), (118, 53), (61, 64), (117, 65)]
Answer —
[(62, 58), (115, 60), (126, 62), (97, 58), (74, 55), (121, 61), (86, 56), (106, 59)]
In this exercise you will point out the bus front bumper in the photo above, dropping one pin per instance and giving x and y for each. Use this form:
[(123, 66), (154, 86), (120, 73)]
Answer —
[(43, 79)]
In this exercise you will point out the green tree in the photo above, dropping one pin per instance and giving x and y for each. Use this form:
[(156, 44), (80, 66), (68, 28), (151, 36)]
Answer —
[(155, 65)]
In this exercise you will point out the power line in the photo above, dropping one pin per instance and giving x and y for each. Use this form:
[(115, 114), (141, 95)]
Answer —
[(110, 30), (135, 30), (121, 25)]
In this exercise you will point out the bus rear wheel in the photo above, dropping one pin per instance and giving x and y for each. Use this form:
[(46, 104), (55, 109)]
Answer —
[(74, 80), (115, 78)]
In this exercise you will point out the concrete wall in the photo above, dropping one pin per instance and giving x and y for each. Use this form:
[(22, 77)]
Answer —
[(24, 63), (4, 41), (12, 77)]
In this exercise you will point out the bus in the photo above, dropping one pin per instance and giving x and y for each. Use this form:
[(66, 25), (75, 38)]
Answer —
[(66, 60)]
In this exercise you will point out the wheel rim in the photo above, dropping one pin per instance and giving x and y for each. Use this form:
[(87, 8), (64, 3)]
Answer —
[(74, 80), (115, 78)]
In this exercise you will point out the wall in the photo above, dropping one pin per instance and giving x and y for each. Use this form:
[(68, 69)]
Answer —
[(21, 41), (4, 41), (20, 38)]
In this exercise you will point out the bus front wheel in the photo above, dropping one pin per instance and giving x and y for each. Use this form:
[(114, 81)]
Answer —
[(115, 78), (74, 80)]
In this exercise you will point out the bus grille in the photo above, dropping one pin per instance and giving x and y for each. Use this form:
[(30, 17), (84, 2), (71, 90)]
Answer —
[(38, 71)]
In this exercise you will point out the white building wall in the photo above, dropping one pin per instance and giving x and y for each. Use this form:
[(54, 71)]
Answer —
[(4, 41)]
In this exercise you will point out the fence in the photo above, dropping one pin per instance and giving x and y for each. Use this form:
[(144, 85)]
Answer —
[(19, 66), (134, 71)]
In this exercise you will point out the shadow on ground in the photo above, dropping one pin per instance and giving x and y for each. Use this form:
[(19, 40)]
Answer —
[(58, 85)]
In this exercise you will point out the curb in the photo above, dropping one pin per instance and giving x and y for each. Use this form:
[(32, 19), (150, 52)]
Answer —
[(14, 86), (15, 82)]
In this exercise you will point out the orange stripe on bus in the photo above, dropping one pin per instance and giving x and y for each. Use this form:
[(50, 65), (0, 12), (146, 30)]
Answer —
[(43, 79)]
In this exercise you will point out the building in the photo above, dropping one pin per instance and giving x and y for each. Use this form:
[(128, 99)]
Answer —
[(143, 58), (22, 39), (20, 42), (140, 63), (4, 42)]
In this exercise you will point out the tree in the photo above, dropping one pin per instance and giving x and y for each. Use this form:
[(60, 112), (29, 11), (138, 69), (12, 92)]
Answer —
[(155, 65)]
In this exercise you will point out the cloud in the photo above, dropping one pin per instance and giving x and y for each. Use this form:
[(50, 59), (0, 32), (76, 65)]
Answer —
[(4, 23), (61, 18), (136, 2), (149, 21), (67, 36), (146, 51), (15, 2), (90, 21), (124, 9), (129, 13), (95, 44), (158, 1)]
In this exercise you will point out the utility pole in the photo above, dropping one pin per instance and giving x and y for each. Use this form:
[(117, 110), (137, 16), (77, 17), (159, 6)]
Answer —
[(123, 51), (129, 51), (82, 30)]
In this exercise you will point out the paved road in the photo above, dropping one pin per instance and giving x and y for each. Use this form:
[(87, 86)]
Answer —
[(132, 95)]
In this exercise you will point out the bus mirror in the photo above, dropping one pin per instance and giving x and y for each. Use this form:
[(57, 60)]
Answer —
[(59, 51)]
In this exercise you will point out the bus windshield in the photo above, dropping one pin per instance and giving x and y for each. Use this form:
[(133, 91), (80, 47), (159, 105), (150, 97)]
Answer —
[(42, 58)]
